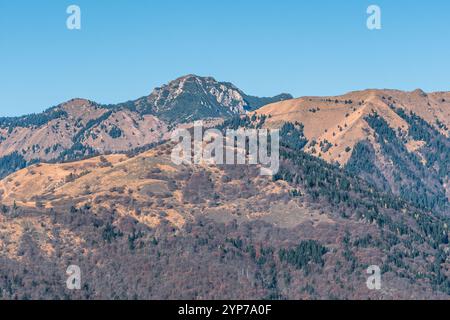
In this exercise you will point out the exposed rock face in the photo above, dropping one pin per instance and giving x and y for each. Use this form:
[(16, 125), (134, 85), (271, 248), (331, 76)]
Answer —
[(191, 98)]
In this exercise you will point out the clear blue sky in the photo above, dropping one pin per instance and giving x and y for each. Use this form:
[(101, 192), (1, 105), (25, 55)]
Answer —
[(126, 48)]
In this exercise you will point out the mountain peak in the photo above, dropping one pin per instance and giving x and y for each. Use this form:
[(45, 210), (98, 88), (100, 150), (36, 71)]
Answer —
[(420, 92), (192, 97), (194, 76), (76, 102)]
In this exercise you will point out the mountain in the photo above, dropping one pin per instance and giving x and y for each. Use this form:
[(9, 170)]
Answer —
[(191, 98), (363, 181), (80, 128), (141, 227), (398, 141), (75, 129)]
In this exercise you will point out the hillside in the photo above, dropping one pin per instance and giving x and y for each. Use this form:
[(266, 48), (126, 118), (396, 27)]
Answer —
[(341, 119), (399, 141), (198, 232)]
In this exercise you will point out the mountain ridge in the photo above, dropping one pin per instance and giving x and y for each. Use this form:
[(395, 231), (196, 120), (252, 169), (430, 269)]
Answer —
[(400, 141), (81, 127)]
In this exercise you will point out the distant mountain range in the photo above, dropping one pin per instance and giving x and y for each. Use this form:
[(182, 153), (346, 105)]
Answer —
[(363, 180), (80, 127), (398, 141)]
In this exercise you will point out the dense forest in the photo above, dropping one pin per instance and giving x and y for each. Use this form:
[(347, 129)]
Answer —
[(37, 119), (11, 163), (406, 174)]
